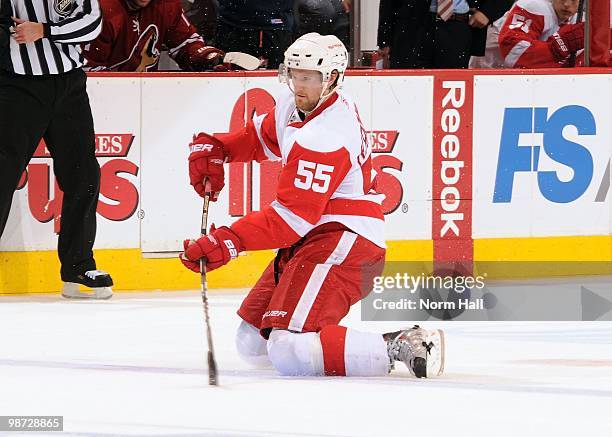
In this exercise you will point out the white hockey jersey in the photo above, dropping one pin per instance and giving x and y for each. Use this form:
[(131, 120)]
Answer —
[(326, 174), (523, 38)]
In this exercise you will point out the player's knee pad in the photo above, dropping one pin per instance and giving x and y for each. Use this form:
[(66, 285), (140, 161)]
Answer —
[(251, 346), (296, 354)]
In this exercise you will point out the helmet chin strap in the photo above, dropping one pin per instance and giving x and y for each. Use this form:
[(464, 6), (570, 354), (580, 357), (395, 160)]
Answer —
[(322, 98)]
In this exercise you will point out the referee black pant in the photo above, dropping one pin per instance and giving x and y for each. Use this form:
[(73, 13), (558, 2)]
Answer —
[(56, 108), (434, 43)]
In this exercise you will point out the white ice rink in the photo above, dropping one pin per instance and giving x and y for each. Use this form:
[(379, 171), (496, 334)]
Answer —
[(135, 365)]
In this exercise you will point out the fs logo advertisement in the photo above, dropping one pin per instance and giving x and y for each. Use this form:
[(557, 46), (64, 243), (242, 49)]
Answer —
[(521, 125), (118, 195), (244, 189)]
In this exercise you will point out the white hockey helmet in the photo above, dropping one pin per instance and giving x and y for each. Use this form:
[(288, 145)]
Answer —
[(323, 53)]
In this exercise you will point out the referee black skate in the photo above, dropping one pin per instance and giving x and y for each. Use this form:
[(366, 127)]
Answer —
[(43, 95)]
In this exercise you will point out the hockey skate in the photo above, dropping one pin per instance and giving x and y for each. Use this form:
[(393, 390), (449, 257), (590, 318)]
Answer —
[(420, 350), (98, 281)]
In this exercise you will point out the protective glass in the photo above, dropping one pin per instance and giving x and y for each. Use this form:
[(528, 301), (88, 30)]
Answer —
[(297, 78)]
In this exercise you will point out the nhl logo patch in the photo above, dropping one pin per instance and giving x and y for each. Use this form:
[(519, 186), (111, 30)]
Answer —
[(63, 7)]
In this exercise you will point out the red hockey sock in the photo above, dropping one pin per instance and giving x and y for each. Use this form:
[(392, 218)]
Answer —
[(333, 338)]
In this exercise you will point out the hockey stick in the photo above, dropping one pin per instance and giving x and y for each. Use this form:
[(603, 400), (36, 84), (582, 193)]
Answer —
[(212, 364), (243, 60), (572, 60)]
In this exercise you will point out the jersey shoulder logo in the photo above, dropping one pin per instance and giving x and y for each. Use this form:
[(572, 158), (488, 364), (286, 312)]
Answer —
[(63, 7)]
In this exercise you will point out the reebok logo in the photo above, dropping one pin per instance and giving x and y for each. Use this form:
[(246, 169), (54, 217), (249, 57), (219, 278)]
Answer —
[(452, 164)]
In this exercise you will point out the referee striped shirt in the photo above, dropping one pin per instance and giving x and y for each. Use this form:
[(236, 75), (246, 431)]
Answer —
[(67, 24)]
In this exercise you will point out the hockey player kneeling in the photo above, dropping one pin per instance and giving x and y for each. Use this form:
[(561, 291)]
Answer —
[(326, 221)]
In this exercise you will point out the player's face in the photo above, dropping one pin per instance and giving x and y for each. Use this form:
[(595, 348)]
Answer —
[(565, 8), (307, 85)]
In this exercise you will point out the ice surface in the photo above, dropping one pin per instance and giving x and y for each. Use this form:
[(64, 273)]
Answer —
[(135, 365)]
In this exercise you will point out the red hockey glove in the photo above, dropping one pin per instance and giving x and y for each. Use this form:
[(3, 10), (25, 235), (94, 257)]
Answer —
[(218, 248), (569, 39), (205, 58), (206, 160)]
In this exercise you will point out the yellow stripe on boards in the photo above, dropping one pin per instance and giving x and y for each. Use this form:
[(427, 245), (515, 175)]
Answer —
[(544, 257), (38, 272), (592, 248)]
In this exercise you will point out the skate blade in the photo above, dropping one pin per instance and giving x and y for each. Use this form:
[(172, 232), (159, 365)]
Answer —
[(71, 291), (436, 367)]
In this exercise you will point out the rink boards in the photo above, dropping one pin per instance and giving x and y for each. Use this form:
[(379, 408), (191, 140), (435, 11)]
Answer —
[(507, 165)]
